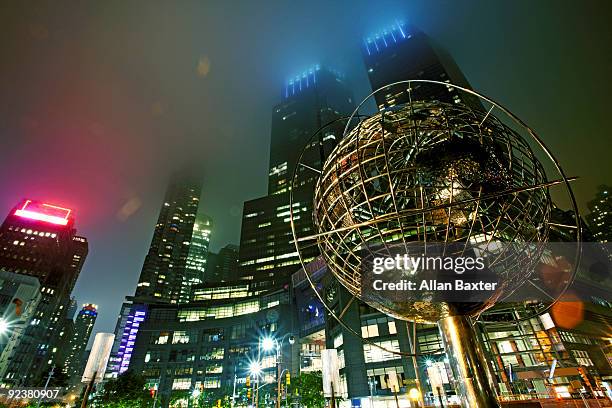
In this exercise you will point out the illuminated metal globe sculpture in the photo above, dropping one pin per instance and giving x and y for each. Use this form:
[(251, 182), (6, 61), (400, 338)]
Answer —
[(425, 173), (453, 179)]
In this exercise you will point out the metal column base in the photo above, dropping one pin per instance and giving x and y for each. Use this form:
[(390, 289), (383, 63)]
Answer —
[(469, 365)]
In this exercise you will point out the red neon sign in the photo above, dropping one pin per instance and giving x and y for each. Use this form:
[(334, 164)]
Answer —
[(44, 212)]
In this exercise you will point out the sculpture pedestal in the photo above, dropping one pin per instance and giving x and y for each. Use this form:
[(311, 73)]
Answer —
[(468, 362)]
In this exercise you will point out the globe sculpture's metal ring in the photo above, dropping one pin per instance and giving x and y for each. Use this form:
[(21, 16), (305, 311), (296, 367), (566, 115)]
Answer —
[(565, 180)]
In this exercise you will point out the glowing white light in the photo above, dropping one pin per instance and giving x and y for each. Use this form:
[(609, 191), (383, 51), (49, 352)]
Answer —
[(4, 326), (267, 343), (255, 368)]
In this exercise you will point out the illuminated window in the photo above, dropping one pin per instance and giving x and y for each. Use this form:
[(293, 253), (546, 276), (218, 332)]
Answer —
[(582, 357), (387, 377), (181, 384), (212, 383), (369, 331), (338, 341), (214, 369), (215, 353), (163, 338), (180, 337), (374, 354)]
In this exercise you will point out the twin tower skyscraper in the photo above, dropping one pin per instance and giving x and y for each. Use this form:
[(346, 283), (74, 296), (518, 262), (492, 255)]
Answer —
[(310, 101)]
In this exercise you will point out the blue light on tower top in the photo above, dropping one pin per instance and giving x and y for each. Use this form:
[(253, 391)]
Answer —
[(386, 38), (302, 81), (309, 79)]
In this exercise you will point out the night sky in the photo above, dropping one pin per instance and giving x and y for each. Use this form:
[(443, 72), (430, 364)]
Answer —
[(100, 101)]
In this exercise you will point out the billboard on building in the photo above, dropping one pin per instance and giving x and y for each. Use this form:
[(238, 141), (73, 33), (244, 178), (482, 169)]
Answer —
[(98, 358)]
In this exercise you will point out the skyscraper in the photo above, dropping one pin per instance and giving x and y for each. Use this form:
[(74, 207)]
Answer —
[(600, 216), (197, 257), (72, 309), (173, 264), (400, 53), (222, 266), (39, 240), (176, 261), (130, 318), (310, 101), (83, 326), (267, 252)]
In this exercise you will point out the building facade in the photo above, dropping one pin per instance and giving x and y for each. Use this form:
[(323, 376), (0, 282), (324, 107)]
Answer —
[(131, 316), (80, 333), (203, 350), (266, 240), (39, 240), (172, 264), (400, 53), (19, 298), (176, 261), (310, 100), (599, 218), (313, 103), (223, 266)]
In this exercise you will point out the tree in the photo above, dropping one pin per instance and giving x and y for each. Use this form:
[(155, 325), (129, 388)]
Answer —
[(308, 389), (209, 398), (125, 391)]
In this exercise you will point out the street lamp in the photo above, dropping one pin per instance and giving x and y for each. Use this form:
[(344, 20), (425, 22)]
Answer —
[(194, 396), (414, 394), (4, 326), (255, 368), (268, 344)]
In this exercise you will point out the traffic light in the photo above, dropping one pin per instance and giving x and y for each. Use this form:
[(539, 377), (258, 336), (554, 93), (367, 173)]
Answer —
[(248, 385), (288, 378), (18, 306)]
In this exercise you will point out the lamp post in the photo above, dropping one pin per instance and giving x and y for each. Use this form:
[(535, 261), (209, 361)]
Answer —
[(439, 381), (268, 344), (371, 384), (195, 394), (255, 371)]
